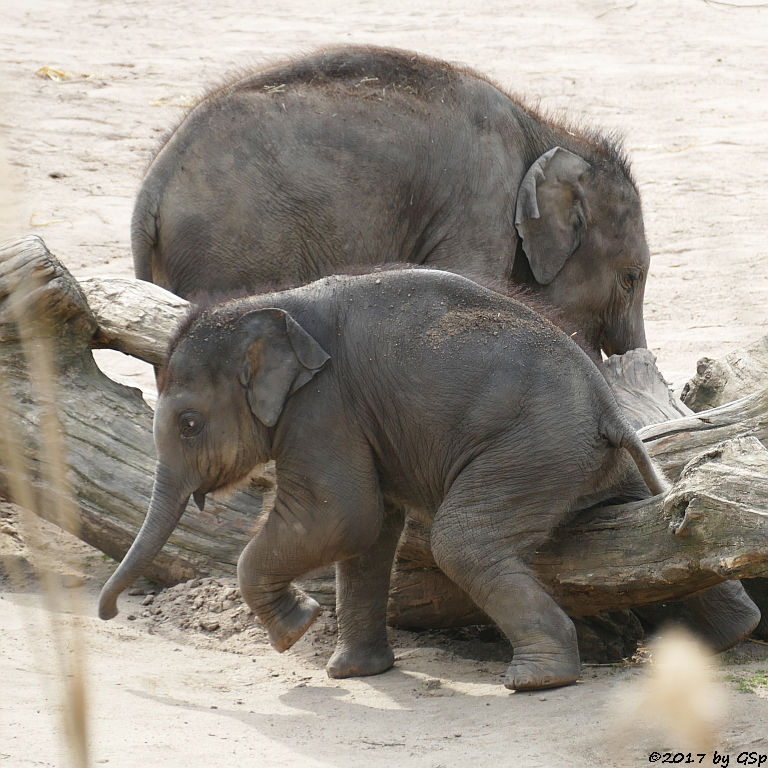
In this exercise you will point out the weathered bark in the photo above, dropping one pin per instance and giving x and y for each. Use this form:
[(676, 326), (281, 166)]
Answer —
[(738, 374), (673, 444), (605, 559)]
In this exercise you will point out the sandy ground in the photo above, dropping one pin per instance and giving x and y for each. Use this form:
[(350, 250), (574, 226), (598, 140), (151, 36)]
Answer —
[(685, 81)]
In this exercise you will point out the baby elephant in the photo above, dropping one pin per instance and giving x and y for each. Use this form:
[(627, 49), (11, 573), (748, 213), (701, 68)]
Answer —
[(412, 388)]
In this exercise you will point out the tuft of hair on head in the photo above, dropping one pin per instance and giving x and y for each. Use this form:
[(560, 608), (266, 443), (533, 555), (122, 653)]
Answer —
[(677, 701), (195, 310), (161, 377)]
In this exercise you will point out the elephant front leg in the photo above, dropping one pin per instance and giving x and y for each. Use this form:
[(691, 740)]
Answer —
[(265, 576), (481, 558), (297, 536), (362, 589)]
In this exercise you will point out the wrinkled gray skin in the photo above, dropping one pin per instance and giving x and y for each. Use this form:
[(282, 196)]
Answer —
[(357, 157), (372, 393)]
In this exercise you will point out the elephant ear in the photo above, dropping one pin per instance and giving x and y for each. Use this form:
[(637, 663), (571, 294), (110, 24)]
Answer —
[(550, 216), (280, 358)]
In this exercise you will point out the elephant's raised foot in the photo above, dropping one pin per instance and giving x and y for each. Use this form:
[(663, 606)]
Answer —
[(530, 672), (360, 662), (285, 631)]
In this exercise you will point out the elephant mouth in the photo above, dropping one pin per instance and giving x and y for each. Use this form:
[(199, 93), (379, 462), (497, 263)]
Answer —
[(225, 491), (610, 345), (609, 348), (619, 338)]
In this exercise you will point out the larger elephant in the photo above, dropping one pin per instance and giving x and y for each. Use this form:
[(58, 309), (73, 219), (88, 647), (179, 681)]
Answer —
[(354, 157), (372, 393)]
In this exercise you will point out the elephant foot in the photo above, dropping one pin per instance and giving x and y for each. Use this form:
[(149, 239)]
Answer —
[(532, 671), (724, 615), (287, 629), (721, 616), (360, 662)]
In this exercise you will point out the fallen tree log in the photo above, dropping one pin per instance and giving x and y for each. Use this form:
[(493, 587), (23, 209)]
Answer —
[(106, 427), (604, 559), (133, 317), (673, 444)]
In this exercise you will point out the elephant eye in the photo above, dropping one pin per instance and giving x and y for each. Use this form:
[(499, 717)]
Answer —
[(190, 423), (629, 280)]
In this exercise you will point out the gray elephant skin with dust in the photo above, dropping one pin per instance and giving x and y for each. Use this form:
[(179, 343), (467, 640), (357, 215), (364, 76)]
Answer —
[(354, 157), (406, 388)]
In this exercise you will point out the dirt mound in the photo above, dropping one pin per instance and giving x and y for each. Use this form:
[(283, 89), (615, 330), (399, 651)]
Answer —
[(210, 612)]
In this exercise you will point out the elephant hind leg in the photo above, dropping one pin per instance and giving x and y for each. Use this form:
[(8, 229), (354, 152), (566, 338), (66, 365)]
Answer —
[(362, 590), (721, 616), (480, 551)]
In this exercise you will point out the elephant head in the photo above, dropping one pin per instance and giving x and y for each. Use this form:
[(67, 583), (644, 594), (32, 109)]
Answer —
[(227, 380), (582, 237)]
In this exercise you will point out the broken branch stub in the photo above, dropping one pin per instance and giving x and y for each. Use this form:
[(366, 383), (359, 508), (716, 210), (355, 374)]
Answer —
[(739, 373), (133, 316)]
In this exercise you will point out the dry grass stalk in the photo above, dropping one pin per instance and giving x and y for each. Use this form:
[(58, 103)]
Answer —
[(65, 633)]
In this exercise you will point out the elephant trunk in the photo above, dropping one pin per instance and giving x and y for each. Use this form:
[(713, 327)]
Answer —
[(628, 333), (165, 508)]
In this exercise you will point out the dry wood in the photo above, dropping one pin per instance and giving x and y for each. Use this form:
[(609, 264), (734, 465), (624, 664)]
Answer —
[(738, 374), (673, 444), (641, 390), (132, 316), (605, 559)]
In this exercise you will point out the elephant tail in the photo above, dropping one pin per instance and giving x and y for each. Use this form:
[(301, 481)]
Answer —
[(144, 231), (621, 435)]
